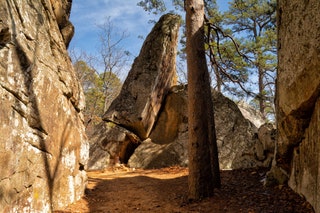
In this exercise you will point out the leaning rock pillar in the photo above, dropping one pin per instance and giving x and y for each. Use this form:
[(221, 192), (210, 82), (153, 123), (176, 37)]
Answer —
[(132, 115), (149, 80)]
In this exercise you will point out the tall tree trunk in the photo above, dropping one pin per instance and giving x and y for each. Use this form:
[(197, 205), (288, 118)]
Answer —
[(203, 156)]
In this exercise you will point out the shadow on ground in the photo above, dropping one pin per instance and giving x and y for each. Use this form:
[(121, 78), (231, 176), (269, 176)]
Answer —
[(165, 191)]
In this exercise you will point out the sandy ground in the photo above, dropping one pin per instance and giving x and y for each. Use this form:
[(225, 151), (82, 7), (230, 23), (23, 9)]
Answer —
[(164, 190)]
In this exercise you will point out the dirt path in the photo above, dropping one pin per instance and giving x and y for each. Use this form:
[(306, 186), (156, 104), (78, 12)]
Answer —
[(164, 190)]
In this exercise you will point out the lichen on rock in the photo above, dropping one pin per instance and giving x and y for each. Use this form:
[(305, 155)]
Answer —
[(43, 146), (298, 97)]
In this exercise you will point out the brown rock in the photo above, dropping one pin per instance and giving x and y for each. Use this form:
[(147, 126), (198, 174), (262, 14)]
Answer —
[(150, 78), (237, 137), (62, 10), (167, 145), (172, 120), (298, 91), (132, 114), (43, 147)]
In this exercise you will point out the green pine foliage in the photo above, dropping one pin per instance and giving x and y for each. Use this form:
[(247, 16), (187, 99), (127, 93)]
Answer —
[(241, 48), (253, 23)]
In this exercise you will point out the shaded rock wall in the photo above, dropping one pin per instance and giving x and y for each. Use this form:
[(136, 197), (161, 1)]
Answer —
[(298, 90), (110, 144), (238, 138), (167, 145), (43, 147)]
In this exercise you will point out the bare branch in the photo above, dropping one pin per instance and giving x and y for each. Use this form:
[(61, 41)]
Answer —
[(218, 32)]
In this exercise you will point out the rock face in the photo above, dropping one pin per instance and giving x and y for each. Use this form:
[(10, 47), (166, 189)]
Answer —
[(43, 147), (238, 139), (150, 78), (149, 109), (132, 114), (298, 91), (251, 114), (167, 145), (111, 144)]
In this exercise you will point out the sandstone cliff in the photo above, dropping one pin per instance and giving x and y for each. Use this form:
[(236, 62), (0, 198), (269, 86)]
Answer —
[(298, 101), (43, 147)]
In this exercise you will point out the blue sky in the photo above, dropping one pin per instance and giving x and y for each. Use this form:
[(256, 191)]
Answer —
[(125, 15)]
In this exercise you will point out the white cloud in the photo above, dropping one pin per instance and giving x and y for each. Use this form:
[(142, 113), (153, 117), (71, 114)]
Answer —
[(125, 15)]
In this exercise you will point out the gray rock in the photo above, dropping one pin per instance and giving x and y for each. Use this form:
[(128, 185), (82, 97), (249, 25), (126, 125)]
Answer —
[(150, 155), (251, 114)]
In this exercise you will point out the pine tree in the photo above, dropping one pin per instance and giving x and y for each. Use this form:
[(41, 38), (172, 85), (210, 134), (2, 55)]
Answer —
[(204, 172), (253, 23)]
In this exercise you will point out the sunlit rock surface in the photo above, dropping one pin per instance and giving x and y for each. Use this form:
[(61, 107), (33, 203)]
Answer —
[(43, 147), (241, 144), (298, 91), (133, 113), (149, 80)]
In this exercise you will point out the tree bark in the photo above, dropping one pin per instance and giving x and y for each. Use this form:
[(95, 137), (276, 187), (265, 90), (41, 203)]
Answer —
[(203, 157)]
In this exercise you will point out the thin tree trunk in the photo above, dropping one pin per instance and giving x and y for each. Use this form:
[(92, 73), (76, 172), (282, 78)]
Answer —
[(262, 99), (218, 77), (203, 157)]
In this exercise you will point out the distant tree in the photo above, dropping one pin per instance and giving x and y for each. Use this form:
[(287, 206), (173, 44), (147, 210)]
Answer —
[(229, 64), (111, 85), (93, 90), (153, 5), (100, 75), (94, 86), (114, 59), (99, 88)]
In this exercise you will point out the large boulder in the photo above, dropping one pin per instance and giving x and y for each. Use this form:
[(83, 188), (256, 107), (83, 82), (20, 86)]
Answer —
[(167, 145), (132, 114), (150, 78), (297, 98), (43, 147), (237, 136), (253, 115), (238, 142)]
